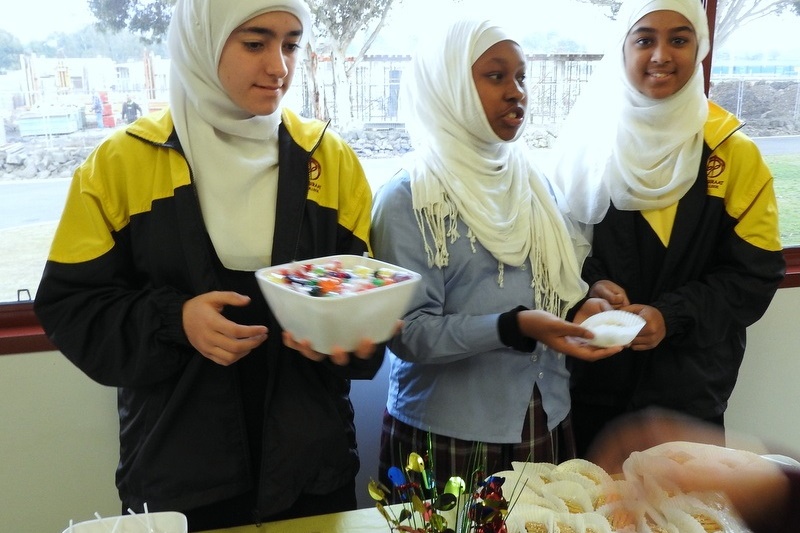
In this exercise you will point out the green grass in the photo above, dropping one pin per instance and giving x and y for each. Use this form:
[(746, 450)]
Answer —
[(786, 171), (23, 251)]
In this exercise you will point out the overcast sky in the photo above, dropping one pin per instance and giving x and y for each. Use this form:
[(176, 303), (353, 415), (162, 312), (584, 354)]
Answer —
[(31, 20)]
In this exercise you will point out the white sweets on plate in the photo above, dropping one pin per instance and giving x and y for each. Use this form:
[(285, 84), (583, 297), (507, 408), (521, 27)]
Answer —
[(613, 328)]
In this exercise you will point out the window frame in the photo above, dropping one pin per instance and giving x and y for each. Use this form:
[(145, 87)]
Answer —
[(20, 331)]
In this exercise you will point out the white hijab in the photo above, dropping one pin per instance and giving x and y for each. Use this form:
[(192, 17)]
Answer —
[(233, 155), (462, 169), (621, 146)]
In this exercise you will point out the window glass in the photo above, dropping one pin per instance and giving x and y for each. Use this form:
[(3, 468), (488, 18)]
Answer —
[(63, 85), (755, 74)]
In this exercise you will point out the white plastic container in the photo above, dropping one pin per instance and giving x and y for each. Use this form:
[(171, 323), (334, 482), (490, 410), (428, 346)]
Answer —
[(340, 321), (162, 522), (613, 328)]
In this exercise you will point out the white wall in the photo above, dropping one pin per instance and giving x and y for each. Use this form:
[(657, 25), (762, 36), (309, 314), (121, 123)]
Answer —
[(766, 398), (58, 443)]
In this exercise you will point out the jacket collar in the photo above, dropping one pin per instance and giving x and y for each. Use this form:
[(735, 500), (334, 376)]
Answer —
[(158, 128), (720, 125)]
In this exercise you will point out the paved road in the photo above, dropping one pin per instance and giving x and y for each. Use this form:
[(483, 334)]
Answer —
[(32, 202), (785, 144), (36, 201)]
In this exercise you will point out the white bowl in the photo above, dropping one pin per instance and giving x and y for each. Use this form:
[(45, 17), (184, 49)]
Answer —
[(613, 328), (338, 321), (162, 522)]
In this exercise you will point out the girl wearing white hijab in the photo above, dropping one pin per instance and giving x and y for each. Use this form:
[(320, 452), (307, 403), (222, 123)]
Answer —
[(620, 145), (472, 214), (212, 127), (683, 219), (149, 285)]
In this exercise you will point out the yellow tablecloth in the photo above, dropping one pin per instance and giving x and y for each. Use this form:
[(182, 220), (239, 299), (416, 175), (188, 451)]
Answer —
[(359, 521)]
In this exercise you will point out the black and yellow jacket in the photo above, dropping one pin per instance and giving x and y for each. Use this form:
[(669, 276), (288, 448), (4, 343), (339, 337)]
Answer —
[(711, 266), (131, 248)]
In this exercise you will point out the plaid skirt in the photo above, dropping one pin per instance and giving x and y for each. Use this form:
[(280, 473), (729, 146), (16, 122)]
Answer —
[(456, 457)]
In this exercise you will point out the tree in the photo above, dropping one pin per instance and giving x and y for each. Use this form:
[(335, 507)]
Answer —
[(10, 50), (731, 14), (149, 19), (612, 5), (338, 24), (91, 42)]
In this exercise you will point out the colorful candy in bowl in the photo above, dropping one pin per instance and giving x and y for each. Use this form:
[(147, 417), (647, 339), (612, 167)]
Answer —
[(336, 301)]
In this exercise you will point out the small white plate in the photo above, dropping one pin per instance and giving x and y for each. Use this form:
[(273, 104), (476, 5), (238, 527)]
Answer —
[(782, 460), (613, 328)]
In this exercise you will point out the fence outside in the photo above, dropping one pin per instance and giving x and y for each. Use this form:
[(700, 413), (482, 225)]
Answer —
[(554, 82)]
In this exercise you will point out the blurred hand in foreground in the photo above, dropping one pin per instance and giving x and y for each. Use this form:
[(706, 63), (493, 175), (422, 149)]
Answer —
[(757, 488)]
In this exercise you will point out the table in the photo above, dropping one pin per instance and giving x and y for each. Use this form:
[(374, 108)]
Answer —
[(368, 520)]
